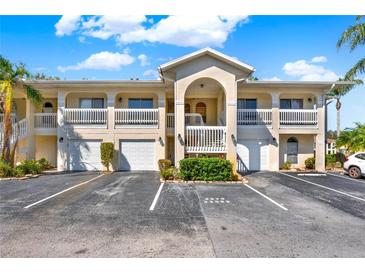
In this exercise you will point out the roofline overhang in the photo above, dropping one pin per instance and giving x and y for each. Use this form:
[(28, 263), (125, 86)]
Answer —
[(95, 83), (319, 84)]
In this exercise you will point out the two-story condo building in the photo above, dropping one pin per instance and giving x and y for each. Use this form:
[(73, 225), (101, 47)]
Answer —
[(203, 104)]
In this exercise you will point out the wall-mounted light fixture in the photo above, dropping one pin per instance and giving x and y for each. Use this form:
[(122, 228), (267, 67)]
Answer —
[(310, 100), (60, 140), (201, 85), (120, 99), (234, 139), (161, 141), (181, 140)]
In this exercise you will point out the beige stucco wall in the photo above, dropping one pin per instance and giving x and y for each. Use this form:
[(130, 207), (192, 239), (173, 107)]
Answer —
[(305, 148), (20, 108), (263, 99), (46, 147)]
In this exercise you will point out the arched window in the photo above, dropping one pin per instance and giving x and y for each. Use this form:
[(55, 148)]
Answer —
[(292, 150), (201, 108), (47, 107), (187, 108)]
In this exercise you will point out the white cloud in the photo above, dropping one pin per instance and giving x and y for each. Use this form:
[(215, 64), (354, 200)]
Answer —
[(275, 78), (104, 60), (309, 72), (151, 74), (67, 25), (174, 30), (143, 59), (319, 59)]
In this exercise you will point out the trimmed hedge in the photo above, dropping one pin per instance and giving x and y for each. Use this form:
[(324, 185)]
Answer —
[(106, 154), (330, 158), (310, 163), (205, 169)]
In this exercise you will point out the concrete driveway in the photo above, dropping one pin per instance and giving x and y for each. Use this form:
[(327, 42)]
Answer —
[(127, 214)]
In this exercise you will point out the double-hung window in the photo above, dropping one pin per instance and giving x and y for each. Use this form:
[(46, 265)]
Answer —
[(291, 103)]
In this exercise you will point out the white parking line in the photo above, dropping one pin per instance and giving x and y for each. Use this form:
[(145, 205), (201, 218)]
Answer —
[(152, 207), (348, 178), (332, 189), (266, 197), (63, 191)]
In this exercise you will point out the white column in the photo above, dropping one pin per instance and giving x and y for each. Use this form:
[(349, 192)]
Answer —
[(30, 130), (274, 142), (61, 133), (161, 142), (110, 107), (179, 123), (320, 137)]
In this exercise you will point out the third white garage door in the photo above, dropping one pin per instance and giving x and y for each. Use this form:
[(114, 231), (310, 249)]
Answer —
[(254, 154), (137, 155)]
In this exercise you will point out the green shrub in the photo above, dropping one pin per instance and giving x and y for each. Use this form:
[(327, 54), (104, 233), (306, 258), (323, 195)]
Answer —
[(340, 157), (164, 163), (310, 163), (6, 170), (330, 158), (44, 164), (169, 173), (28, 167), (286, 165), (106, 153), (205, 169)]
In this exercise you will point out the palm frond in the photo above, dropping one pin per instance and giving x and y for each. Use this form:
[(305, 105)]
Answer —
[(33, 95), (6, 68), (358, 68), (355, 35)]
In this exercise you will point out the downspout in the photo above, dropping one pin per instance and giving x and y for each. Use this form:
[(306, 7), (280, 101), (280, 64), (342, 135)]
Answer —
[(326, 118)]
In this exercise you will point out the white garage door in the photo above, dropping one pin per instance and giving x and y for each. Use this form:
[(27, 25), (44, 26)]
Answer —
[(253, 154), (84, 155), (137, 155)]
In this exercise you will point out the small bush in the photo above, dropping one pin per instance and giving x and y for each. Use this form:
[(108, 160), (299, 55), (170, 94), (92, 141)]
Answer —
[(169, 173), (164, 163), (106, 153), (310, 163), (330, 158), (44, 164), (286, 165), (6, 170), (340, 157), (28, 167), (205, 169)]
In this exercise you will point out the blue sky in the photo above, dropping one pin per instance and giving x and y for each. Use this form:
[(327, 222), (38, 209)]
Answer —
[(279, 47)]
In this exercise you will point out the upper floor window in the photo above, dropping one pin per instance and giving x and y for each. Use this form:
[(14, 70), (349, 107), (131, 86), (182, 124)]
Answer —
[(246, 103), (140, 103), (91, 103), (291, 103)]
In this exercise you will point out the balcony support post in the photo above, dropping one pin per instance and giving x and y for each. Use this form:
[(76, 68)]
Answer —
[(110, 109), (274, 142), (61, 133), (30, 154), (320, 137)]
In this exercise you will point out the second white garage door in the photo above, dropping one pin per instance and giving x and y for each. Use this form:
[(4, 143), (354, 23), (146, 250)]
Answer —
[(137, 155), (254, 154), (84, 155)]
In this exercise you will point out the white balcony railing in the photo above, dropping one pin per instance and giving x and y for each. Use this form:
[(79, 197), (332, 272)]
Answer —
[(191, 119), (12, 118), (254, 117), (135, 117), (298, 117), (19, 131), (45, 120), (82, 116), (205, 139)]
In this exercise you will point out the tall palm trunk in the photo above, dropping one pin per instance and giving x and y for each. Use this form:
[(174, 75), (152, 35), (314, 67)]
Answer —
[(338, 122), (7, 124)]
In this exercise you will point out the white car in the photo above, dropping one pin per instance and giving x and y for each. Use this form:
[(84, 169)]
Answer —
[(355, 165)]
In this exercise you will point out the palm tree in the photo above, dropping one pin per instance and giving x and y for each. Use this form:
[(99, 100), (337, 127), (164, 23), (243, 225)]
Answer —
[(352, 139), (355, 36), (11, 76), (337, 93)]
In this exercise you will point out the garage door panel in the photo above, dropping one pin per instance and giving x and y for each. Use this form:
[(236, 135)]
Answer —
[(137, 155), (84, 155), (253, 154)]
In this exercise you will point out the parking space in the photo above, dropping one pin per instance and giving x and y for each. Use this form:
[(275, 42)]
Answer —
[(275, 215)]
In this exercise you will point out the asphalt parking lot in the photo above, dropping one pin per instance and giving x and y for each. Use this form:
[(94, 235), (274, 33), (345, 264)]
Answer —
[(132, 215)]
